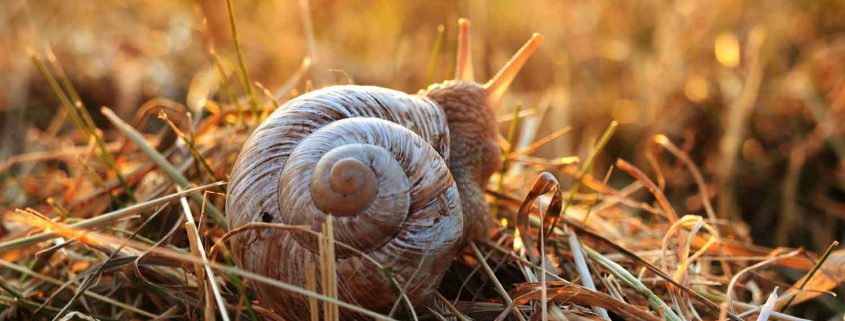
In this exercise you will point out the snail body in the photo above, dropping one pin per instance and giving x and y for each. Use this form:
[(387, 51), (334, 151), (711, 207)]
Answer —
[(402, 176)]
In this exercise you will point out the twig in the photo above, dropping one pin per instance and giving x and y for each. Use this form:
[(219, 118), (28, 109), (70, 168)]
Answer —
[(664, 141), (449, 306), (654, 301), (25, 271), (667, 208), (196, 243), (492, 276), (736, 277), (813, 271), (435, 56), (187, 258), (766, 311), (103, 218), (253, 104), (740, 109), (588, 165), (162, 162), (583, 270)]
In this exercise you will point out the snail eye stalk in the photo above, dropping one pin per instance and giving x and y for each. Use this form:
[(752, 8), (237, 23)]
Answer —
[(463, 66), (498, 85)]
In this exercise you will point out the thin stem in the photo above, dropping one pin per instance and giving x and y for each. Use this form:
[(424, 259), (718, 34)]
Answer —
[(245, 81), (812, 272)]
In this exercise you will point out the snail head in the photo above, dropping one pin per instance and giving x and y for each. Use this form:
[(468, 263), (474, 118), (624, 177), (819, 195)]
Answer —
[(470, 109)]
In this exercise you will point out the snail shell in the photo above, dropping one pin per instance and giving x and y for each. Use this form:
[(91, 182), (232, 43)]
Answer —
[(403, 177), (362, 155)]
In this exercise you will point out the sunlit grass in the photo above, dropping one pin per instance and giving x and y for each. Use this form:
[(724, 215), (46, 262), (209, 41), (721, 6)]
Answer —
[(724, 135)]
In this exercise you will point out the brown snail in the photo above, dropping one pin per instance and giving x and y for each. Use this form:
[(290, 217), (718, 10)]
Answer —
[(402, 175)]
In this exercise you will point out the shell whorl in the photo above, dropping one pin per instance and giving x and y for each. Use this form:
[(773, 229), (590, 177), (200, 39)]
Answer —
[(344, 181), (335, 143), (409, 177)]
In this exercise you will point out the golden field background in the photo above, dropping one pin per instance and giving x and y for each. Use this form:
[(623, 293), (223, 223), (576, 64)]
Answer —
[(752, 90)]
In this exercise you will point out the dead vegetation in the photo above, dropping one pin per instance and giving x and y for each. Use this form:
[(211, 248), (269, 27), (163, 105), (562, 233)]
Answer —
[(640, 141)]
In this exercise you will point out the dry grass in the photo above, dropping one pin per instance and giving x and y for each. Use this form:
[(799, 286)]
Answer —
[(655, 145)]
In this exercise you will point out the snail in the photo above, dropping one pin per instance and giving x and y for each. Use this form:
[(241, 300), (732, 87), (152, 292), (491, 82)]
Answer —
[(401, 175)]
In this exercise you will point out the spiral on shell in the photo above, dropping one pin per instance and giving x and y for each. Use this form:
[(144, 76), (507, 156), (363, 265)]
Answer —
[(361, 155)]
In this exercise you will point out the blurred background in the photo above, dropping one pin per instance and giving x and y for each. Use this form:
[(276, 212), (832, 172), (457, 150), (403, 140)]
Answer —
[(753, 91)]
